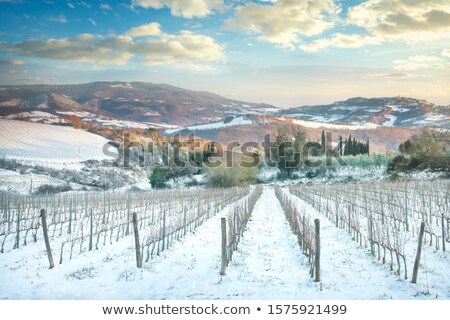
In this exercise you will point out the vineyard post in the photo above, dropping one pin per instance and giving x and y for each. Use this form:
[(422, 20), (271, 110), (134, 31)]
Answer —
[(69, 230), (317, 257), (337, 213), (372, 248), (443, 230), (406, 207), (16, 246), (184, 221), (47, 243), (164, 231), (128, 214), (136, 241), (223, 224), (419, 252), (91, 229)]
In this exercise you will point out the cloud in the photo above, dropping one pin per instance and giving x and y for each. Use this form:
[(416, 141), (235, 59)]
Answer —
[(284, 21), (412, 20), (105, 6), (151, 29), (446, 53), (340, 40), (419, 62), (61, 19), (70, 5), (182, 8), (185, 48), (393, 75), (92, 21), (15, 62)]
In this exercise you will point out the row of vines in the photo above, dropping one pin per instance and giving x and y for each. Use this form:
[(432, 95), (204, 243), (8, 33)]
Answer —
[(305, 230), (82, 221), (385, 216)]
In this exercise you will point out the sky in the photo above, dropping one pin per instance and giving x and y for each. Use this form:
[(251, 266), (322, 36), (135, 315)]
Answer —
[(283, 52)]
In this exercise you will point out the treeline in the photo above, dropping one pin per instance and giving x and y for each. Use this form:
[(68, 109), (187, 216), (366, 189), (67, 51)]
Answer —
[(352, 147)]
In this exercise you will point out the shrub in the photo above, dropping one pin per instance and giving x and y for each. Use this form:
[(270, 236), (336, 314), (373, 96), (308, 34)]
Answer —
[(158, 179), (52, 189)]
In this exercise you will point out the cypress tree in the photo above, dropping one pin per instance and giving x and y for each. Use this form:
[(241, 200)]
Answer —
[(323, 142)]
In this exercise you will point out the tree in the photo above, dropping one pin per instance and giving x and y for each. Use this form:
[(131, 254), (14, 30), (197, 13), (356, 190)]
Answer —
[(289, 143), (158, 179), (323, 142), (75, 122)]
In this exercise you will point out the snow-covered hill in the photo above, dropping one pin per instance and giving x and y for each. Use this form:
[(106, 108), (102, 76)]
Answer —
[(34, 141), (386, 112)]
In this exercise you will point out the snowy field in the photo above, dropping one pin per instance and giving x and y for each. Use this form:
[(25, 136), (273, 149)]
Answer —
[(31, 141), (238, 121), (268, 264)]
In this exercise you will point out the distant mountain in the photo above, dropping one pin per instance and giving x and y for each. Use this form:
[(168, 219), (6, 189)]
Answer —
[(386, 112), (385, 121), (123, 103)]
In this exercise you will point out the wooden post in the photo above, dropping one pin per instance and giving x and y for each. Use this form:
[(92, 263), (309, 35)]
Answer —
[(443, 231), (91, 229), (419, 252), (317, 257), (164, 231), (47, 243), (337, 213), (136, 241), (372, 249), (16, 246), (406, 207), (223, 223), (128, 215)]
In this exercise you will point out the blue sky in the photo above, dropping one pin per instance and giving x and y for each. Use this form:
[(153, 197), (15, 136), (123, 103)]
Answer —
[(284, 52)]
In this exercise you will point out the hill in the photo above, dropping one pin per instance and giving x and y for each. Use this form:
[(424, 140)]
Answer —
[(122, 104)]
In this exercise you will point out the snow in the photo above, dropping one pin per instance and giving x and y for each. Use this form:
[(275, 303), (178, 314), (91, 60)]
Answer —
[(268, 264), (431, 117), (31, 141), (314, 124), (238, 121), (390, 122), (398, 109)]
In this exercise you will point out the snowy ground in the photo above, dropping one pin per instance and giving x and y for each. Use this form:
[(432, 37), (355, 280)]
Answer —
[(32, 141), (267, 265)]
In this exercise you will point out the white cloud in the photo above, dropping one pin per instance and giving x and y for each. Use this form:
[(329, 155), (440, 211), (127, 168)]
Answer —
[(182, 8), (150, 29), (105, 6), (70, 5), (340, 40), (412, 20), (92, 21), (419, 62), (284, 21), (61, 19), (446, 53), (392, 76), (185, 48)]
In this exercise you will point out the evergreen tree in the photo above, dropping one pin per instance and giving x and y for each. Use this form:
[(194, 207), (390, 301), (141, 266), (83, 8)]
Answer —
[(340, 146), (367, 147), (350, 149), (323, 142)]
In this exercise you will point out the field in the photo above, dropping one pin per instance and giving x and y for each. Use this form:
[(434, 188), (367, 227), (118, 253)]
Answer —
[(33, 141), (169, 244)]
